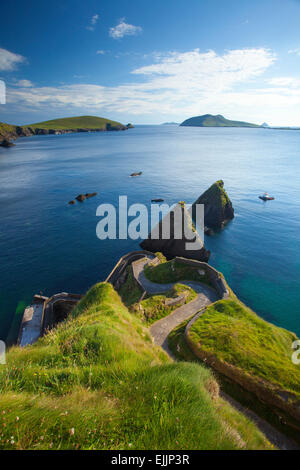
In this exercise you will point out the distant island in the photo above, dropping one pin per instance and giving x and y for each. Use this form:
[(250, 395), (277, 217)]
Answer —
[(208, 120), (170, 124), (59, 126)]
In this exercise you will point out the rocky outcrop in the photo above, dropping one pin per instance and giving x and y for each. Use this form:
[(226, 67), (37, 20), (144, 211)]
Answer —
[(6, 143), (175, 235), (80, 197), (218, 208)]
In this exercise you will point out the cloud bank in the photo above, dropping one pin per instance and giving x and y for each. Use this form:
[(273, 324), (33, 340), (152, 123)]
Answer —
[(181, 84)]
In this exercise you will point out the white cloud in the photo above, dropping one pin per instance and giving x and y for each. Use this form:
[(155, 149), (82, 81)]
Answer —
[(9, 60), (294, 51), (289, 82), (124, 29), (93, 23), (24, 83), (183, 84)]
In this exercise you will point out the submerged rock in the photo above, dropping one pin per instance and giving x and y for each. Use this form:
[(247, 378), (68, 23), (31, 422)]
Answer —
[(157, 200), (218, 208), (72, 202), (88, 195), (171, 244), (138, 173)]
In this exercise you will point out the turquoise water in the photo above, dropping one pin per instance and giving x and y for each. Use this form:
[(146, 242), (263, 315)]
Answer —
[(48, 246)]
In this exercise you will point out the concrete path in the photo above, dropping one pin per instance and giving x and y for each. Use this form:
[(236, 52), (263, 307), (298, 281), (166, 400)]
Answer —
[(31, 327), (162, 328)]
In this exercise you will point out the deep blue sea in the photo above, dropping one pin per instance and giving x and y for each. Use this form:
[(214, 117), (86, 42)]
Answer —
[(49, 246)]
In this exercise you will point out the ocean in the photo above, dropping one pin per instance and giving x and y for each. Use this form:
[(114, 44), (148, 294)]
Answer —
[(49, 246)]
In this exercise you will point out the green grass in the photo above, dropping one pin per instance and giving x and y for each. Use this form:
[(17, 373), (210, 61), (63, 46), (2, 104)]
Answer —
[(281, 421), (130, 292), (154, 307), (97, 381), (7, 130), (80, 122), (173, 271), (236, 335)]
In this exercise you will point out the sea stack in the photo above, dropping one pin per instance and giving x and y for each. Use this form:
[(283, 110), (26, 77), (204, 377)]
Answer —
[(218, 208), (177, 240)]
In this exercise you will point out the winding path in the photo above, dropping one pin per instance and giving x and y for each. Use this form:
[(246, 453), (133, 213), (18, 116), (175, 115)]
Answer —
[(162, 328)]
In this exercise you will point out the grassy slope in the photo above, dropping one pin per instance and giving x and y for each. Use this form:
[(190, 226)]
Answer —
[(80, 122), (208, 120), (98, 382), (236, 335)]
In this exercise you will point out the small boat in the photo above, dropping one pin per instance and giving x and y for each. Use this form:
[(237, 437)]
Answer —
[(137, 173), (266, 197)]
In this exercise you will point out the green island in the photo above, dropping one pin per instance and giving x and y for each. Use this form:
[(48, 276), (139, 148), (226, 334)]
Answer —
[(209, 120), (97, 381), (59, 126), (79, 122)]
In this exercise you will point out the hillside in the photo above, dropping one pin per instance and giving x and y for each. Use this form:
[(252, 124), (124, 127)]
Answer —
[(250, 351), (208, 120), (79, 122), (97, 381)]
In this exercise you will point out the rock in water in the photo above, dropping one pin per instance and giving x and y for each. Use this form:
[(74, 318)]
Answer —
[(80, 197), (7, 143), (218, 208), (88, 195), (170, 246), (72, 202)]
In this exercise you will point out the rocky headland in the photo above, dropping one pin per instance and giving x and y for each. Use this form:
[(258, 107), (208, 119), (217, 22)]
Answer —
[(10, 132)]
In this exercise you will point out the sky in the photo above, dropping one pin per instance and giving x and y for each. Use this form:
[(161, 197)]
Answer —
[(150, 62)]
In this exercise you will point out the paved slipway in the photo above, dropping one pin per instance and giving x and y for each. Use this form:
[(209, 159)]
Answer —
[(162, 328)]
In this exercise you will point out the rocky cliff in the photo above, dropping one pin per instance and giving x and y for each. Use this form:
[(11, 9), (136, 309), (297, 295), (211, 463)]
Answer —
[(218, 208), (181, 233)]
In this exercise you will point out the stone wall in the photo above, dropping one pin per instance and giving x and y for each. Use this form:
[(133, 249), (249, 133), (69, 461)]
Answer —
[(115, 277), (214, 276)]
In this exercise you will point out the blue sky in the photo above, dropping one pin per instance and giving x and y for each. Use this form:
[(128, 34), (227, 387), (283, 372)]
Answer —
[(150, 62)]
